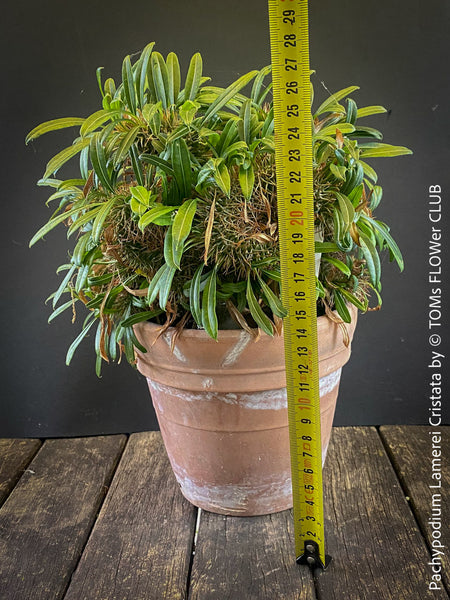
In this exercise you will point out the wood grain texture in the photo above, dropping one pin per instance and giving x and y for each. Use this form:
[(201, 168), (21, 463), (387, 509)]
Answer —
[(248, 557), (141, 545), (377, 549), (45, 521), (410, 448), (15, 456)]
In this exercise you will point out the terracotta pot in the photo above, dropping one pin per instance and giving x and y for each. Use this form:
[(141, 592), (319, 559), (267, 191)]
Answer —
[(222, 411)]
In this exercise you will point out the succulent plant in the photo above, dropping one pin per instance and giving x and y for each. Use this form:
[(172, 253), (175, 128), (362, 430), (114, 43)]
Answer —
[(174, 211)]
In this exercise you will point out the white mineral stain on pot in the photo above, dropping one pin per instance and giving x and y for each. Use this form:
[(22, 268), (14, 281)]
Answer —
[(260, 400), (235, 498), (176, 351), (207, 382), (234, 353), (329, 382)]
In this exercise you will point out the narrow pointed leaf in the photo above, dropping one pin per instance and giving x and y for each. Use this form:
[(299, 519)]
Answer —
[(247, 181), (341, 307), (162, 164), (165, 285), (139, 317), (152, 215), (383, 150), (128, 84), (174, 77), (60, 310), (209, 316), (182, 224), (329, 103), (62, 157), (160, 78), (367, 111), (222, 177), (228, 94), (74, 345), (261, 319), (63, 285), (182, 168), (272, 299), (194, 296), (98, 118), (143, 66), (98, 160), (193, 77), (53, 125), (97, 227)]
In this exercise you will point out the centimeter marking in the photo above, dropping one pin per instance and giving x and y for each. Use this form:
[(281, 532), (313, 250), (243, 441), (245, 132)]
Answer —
[(294, 166)]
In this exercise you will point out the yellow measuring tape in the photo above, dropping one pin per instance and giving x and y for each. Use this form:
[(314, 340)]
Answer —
[(294, 166)]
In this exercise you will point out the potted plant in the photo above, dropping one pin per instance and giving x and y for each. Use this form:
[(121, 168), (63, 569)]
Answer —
[(173, 218)]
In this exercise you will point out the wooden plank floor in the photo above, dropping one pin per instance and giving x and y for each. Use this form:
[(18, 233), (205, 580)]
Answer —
[(102, 518)]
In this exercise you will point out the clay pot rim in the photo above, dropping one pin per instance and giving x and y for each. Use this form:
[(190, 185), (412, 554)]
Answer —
[(322, 322)]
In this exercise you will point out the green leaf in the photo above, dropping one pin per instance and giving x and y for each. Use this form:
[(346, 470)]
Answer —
[(53, 223), (139, 317), (62, 157), (328, 104), (98, 118), (272, 299), (64, 283), (188, 111), (341, 307), (323, 247), (209, 316), (140, 199), (353, 299), (83, 218), (372, 258), (98, 160), (53, 125), (181, 226), (136, 163), (165, 285), (74, 345), (194, 296), (155, 213), (228, 94), (330, 130), (372, 150), (338, 171), (181, 162), (162, 164), (80, 249), (247, 181), (193, 77), (153, 287), (367, 111), (338, 264), (381, 228), (347, 209), (128, 84), (257, 95), (368, 171), (222, 176), (97, 226), (160, 78), (60, 310), (261, 319), (127, 141), (141, 75), (245, 122), (174, 77)]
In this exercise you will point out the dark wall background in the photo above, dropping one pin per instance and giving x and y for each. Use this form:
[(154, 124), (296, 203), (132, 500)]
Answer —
[(396, 51)]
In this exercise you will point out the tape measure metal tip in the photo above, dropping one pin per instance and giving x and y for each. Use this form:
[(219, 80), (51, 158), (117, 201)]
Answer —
[(311, 556)]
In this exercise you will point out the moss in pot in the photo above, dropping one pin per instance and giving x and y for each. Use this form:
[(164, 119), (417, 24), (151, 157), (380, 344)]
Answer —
[(173, 225)]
